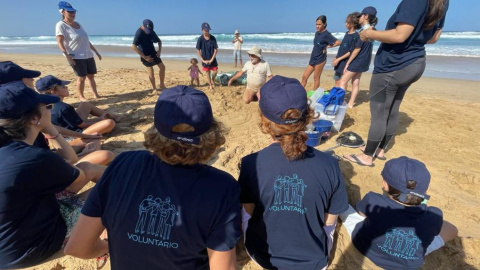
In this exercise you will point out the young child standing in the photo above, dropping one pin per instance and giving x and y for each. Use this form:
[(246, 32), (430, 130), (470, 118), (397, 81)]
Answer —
[(360, 58), (346, 47), (258, 71), (194, 71), (397, 230)]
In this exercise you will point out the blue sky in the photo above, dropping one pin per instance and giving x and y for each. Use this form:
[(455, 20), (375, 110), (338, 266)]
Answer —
[(108, 17)]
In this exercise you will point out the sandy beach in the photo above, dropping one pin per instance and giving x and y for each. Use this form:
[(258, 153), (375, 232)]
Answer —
[(439, 125)]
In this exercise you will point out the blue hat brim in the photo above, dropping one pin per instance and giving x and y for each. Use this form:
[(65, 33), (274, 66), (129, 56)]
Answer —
[(48, 99)]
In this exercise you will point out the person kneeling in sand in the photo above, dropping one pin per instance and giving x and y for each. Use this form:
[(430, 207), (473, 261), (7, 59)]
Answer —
[(165, 208), (397, 230), (258, 71), (66, 116)]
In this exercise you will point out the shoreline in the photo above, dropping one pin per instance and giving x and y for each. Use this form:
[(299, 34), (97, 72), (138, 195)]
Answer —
[(461, 90), (451, 67)]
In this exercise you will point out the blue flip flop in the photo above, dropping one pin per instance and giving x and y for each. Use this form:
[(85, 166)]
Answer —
[(358, 161)]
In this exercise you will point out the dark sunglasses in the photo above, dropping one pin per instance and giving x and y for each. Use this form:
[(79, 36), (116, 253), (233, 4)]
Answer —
[(71, 12), (49, 106)]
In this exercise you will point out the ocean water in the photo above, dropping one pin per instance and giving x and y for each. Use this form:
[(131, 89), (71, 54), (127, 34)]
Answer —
[(281, 48)]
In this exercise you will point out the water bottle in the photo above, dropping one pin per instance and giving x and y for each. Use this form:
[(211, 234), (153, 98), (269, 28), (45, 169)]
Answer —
[(366, 26)]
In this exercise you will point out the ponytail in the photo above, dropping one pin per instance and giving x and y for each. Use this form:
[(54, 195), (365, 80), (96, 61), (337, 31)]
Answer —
[(372, 20), (292, 137), (436, 10)]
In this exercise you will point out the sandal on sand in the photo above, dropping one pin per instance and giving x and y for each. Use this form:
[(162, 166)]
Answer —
[(102, 260), (355, 159)]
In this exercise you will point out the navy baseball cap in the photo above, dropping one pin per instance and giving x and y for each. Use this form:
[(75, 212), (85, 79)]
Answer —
[(45, 83), (183, 105), (65, 5), (148, 26), (368, 10), (280, 94), (10, 72), (16, 99), (206, 26), (398, 171)]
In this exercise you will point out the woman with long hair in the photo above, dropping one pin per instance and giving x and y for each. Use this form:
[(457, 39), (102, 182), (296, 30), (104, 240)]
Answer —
[(291, 192), (322, 41), (399, 62)]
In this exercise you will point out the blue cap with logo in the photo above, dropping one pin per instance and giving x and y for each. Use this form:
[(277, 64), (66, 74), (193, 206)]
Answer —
[(66, 6), (147, 26), (10, 72), (45, 83), (368, 10), (279, 95), (16, 99), (183, 105), (397, 172), (206, 26)]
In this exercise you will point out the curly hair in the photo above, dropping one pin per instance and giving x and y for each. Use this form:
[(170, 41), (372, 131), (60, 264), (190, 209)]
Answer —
[(179, 153), (292, 137), (15, 129), (352, 19)]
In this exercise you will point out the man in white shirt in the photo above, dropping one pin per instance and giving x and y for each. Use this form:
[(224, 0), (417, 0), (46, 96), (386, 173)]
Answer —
[(258, 71)]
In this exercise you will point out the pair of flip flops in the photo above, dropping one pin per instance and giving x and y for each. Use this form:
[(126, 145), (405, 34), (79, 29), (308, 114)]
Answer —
[(355, 159)]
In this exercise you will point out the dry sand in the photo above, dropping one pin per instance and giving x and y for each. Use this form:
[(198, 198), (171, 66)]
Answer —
[(439, 125)]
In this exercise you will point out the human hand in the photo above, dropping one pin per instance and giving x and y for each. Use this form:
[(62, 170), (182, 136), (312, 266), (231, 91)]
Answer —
[(335, 62), (99, 56), (50, 130), (148, 58), (365, 34), (230, 82), (158, 54), (70, 60)]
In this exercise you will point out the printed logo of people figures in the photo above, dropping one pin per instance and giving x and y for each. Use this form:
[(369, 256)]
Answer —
[(289, 191), (398, 243), (157, 226)]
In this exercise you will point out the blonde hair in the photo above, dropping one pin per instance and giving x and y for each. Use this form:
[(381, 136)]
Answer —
[(179, 153), (292, 137)]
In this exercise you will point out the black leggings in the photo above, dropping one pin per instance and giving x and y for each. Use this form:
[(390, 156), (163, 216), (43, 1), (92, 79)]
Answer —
[(386, 94)]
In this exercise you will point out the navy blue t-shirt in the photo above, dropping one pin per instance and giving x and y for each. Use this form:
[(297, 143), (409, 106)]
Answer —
[(291, 199), (394, 236), (145, 42), (361, 63), (391, 57), (207, 48), (320, 43), (31, 227), (347, 45), (41, 142), (64, 115), (160, 216)]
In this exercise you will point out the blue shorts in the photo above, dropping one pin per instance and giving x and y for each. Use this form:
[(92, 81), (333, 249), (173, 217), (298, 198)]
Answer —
[(237, 54)]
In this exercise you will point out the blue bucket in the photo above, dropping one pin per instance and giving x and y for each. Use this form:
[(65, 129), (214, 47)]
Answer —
[(323, 126), (314, 138)]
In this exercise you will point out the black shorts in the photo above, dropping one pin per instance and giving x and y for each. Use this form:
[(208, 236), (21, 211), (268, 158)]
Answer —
[(156, 61), (84, 67)]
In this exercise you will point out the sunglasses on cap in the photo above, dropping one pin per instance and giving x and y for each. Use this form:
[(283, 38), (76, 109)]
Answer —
[(49, 106)]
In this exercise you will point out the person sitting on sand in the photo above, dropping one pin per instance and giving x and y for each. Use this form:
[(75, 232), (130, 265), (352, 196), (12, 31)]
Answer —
[(165, 208), (292, 192), (258, 72), (207, 49), (84, 144), (39, 203), (77, 119), (397, 230)]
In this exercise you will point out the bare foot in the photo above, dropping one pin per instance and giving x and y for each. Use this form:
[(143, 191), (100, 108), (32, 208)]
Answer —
[(83, 99), (90, 147), (97, 96), (362, 160), (163, 87), (380, 154)]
